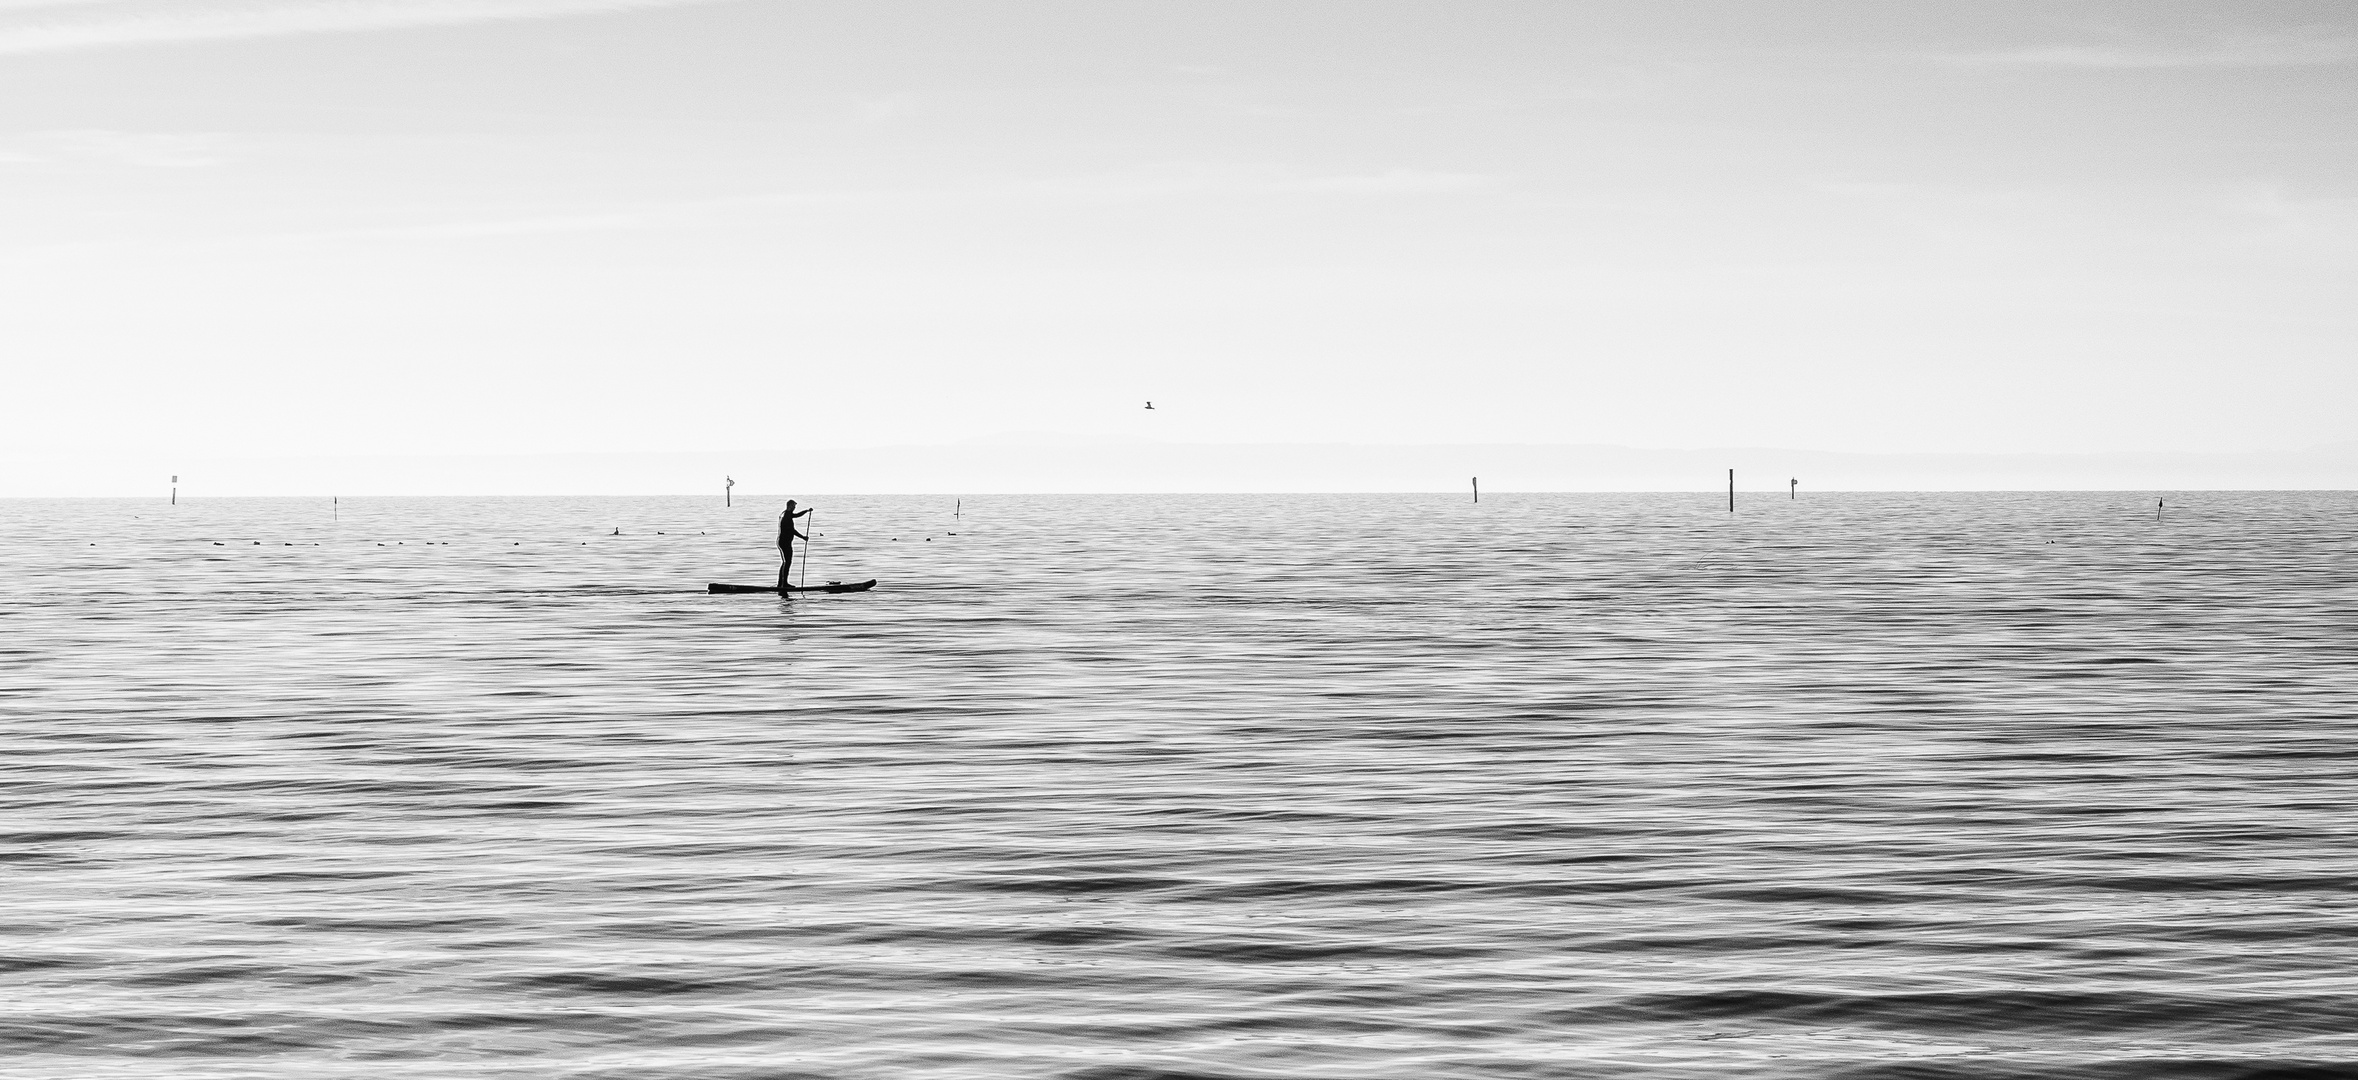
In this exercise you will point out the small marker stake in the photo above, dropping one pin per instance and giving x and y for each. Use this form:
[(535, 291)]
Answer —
[(1477, 489), (175, 491), (1731, 491), (1795, 491)]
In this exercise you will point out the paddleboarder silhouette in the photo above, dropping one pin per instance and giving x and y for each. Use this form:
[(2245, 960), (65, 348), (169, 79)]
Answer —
[(787, 535)]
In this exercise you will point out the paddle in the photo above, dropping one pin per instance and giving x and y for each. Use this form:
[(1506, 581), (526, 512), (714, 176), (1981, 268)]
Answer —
[(809, 541)]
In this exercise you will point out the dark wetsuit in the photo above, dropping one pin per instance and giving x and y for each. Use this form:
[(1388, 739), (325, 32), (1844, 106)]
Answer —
[(787, 535)]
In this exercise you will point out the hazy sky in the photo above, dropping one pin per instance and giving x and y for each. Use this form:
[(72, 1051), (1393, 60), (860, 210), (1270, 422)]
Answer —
[(333, 226)]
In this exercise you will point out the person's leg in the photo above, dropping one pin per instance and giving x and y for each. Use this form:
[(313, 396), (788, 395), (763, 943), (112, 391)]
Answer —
[(785, 568)]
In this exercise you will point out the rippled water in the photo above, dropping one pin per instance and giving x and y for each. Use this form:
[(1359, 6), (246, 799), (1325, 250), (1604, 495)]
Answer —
[(1112, 788)]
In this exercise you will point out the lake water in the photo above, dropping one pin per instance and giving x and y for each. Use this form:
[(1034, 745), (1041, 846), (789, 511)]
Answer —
[(1153, 788)]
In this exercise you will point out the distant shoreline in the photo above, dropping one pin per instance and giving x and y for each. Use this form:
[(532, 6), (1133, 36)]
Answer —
[(1166, 468)]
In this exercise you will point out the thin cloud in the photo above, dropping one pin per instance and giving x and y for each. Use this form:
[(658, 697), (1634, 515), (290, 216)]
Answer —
[(1247, 181), (152, 150), (45, 26), (2303, 50), (744, 208), (1390, 182)]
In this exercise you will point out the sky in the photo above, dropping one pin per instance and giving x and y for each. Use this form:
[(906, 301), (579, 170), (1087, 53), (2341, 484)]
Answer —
[(317, 227)]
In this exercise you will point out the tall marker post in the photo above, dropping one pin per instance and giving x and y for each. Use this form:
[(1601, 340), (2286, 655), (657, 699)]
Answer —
[(1731, 491), (729, 483), (1477, 489), (1794, 490)]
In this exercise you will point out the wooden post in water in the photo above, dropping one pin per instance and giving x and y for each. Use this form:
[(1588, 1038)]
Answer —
[(1731, 491), (957, 509), (175, 491), (1477, 489), (728, 486), (1794, 492)]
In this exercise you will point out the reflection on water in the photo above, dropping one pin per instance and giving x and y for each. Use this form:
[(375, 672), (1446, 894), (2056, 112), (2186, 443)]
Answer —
[(1160, 787)]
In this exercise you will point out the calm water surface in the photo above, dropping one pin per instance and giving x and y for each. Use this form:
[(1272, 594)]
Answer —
[(1150, 788)]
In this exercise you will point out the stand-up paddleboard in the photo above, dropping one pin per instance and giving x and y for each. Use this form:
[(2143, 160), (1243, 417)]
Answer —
[(830, 587)]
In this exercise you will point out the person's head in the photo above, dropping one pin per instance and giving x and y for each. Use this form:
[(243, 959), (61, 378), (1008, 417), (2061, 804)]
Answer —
[(789, 506)]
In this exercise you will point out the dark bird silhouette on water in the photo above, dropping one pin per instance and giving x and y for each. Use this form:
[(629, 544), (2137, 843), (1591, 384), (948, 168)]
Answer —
[(1150, 404), (787, 535)]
